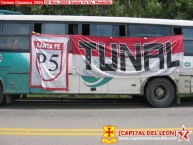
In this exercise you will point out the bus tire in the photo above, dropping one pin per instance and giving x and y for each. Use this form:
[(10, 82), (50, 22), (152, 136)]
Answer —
[(2, 95), (160, 92)]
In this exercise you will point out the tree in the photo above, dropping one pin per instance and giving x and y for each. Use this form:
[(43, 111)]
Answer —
[(168, 9)]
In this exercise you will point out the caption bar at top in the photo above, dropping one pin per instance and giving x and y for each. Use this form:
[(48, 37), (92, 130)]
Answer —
[(56, 2)]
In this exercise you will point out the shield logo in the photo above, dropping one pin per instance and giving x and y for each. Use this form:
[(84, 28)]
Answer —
[(109, 131), (109, 135), (49, 63)]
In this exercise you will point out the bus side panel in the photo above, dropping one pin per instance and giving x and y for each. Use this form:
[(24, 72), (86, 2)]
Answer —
[(3, 78), (73, 84), (124, 86), (184, 84), (17, 83), (89, 87), (191, 84)]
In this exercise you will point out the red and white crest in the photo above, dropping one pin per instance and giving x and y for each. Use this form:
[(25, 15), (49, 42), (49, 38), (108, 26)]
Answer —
[(49, 62)]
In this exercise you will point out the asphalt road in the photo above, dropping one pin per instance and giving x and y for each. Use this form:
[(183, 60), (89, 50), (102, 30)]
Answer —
[(82, 122)]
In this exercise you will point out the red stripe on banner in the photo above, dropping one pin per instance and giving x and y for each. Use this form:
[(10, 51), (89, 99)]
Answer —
[(67, 61), (176, 44)]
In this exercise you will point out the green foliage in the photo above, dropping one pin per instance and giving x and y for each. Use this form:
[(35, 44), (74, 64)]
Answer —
[(169, 9)]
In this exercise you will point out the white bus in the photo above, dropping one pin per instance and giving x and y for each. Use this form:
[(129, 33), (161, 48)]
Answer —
[(160, 91)]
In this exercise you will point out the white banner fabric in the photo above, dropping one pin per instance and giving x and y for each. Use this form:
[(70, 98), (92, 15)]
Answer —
[(101, 57), (49, 62)]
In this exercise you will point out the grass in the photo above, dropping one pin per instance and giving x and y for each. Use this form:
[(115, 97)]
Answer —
[(186, 98), (61, 97)]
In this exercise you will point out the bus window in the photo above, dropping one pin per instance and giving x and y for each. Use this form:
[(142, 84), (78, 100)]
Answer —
[(188, 48), (15, 36), (14, 43), (50, 28), (148, 30), (38, 28), (177, 31), (85, 29), (188, 41), (118, 30), (53, 29), (188, 33), (73, 29), (122, 30), (16, 29), (103, 30)]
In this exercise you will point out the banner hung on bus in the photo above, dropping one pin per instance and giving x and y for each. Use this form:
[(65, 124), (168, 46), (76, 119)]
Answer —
[(127, 57), (49, 62)]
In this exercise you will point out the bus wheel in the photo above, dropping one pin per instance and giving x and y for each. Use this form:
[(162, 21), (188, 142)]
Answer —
[(160, 92), (2, 96)]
